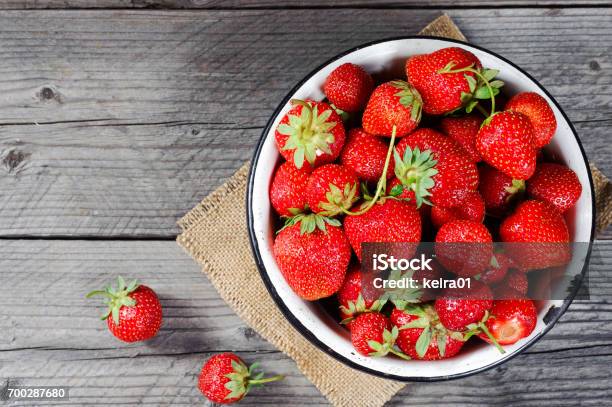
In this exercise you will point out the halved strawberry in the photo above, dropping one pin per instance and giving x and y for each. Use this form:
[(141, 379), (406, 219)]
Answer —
[(510, 321)]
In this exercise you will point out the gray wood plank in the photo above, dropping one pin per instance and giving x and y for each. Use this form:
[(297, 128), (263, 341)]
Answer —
[(246, 4), (50, 335), (116, 123)]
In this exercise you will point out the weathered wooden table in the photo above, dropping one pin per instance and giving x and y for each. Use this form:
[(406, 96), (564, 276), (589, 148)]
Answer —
[(115, 121)]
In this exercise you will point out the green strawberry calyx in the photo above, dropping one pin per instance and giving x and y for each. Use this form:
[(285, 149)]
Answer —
[(415, 170), (401, 297), (354, 308), (309, 222), (410, 98), (115, 298), (387, 346), (482, 88), (242, 379), (309, 133), (516, 190), (338, 199), (433, 330)]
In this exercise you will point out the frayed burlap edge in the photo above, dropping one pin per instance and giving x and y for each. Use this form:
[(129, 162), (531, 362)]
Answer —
[(215, 235)]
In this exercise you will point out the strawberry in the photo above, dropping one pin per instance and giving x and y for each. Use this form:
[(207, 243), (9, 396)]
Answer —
[(517, 281), (536, 236), (433, 165), (422, 336), (348, 87), (288, 189), (555, 184), (365, 154), (392, 104), (449, 79), (498, 190), (356, 298), (539, 113), (464, 130), (313, 254), (464, 247), (310, 134), (332, 188), (388, 220), (511, 320), (135, 311), (503, 292), (372, 335), (226, 379), (471, 208), (459, 308), (505, 141), (497, 269)]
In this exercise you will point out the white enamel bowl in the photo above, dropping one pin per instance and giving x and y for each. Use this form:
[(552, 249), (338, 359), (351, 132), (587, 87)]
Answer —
[(310, 318)]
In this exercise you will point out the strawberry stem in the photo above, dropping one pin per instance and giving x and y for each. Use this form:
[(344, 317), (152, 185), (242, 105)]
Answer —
[(400, 354), (484, 329), (382, 181), (267, 380)]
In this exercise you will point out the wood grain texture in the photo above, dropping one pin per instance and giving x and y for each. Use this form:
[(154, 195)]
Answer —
[(116, 123), (246, 4), (49, 335)]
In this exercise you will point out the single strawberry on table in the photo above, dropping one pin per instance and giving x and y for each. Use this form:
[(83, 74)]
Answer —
[(288, 189), (226, 379), (464, 130), (388, 220), (422, 336), (498, 190), (435, 168), (134, 311), (332, 188), (510, 320), (373, 335), (506, 141), (310, 134), (348, 87), (536, 236), (555, 184), (541, 116), (392, 104), (365, 154), (464, 247), (313, 255), (472, 207)]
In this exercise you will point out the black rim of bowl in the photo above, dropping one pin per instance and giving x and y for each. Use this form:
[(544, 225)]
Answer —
[(555, 312)]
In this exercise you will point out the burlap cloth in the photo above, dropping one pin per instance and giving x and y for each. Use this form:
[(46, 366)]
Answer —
[(215, 235)]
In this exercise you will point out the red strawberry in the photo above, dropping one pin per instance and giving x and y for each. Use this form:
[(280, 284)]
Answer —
[(511, 320), (447, 80), (464, 130), (459, 308), (471, 208), (355, 298), (506, 142), (498, 267), (498, 190), (433, 165), (555, 184), (366, 154), (348, 87), (503, 292), (388, 220), (332, 188), (288, 189), (464, 247), (135, 311), (517, 281), (372, 335), (226, 379), (313, 255), (422, 336), (310, 134), (536, 236), (392, 104), (539, 113)]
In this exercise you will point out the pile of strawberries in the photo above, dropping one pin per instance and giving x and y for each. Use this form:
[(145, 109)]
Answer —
[(429, 158)]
